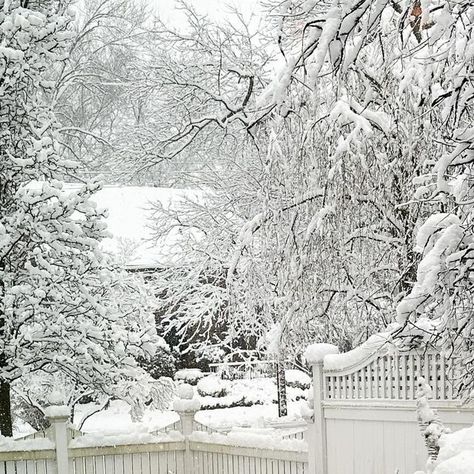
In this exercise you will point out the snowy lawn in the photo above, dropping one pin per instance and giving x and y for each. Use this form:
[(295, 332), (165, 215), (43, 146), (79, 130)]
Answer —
[(255, 400), (117, 419)]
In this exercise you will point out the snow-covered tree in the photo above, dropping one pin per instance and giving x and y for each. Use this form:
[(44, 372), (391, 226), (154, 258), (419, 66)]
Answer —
[(95, 98), (62, 307), (426, 47)]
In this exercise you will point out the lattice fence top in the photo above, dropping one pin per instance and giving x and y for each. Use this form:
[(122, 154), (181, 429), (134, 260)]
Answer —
[(393, 377)]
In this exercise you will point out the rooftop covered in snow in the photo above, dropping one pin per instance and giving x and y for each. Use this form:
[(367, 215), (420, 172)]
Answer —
[(130, 216)]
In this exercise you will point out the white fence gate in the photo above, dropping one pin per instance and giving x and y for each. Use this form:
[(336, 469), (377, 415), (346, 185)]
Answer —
[(365, 410)]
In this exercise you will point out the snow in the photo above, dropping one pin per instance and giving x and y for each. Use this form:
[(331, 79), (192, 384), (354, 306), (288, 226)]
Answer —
[(297, 378), (432, 225), (251, 439), (257, 415), (57, 411), (348, 359), (213, 386), (190, 376), (10, 444), (182, 405), (453, 444), (185, 391), (317, 221), (137, 437), (117, 419), (433, 263), (317, 352), (456, 455), (271, 340), (462, 463), (129, 218)]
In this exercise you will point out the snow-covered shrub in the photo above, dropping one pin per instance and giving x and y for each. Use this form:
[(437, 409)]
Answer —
[(212, 386), (428, 419), (230, 401), (456, 454), (162, 364), (297, 379), (190, 376), (246, 393)]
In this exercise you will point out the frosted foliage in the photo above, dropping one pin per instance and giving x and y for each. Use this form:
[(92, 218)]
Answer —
[(212, 386), (407, 98), (272, 340), (62, 305)]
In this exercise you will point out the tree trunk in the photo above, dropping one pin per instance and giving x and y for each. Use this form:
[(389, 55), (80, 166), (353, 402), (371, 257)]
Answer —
[(281, 388), (6, 424)]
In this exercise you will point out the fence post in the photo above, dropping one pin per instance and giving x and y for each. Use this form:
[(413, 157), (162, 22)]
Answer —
[(319, 453), (59, 417), (186, 406), (308, 416)]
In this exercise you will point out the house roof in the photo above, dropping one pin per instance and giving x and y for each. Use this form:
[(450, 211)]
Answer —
[(130, 217)]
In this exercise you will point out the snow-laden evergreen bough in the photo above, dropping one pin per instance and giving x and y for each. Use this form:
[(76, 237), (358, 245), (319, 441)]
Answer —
[(62, 307), (389, 62)]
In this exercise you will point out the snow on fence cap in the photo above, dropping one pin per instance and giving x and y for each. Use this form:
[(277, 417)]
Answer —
[(185, 391), (182, 406), (57, 411), (317, 352), (185, 401)]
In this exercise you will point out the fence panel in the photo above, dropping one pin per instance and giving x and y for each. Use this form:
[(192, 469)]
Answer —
[(365, 405), (149, 458), (34, 461), (213, 458)]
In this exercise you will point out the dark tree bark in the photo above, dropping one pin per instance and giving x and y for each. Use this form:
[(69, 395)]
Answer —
[(6, 423)]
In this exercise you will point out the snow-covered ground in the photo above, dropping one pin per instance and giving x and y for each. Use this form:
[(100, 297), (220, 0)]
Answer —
[(116, 419)]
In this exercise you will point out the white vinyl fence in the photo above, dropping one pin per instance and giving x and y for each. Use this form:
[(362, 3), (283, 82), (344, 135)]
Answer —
[(365, 409), (196, 448), (365, 422)]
